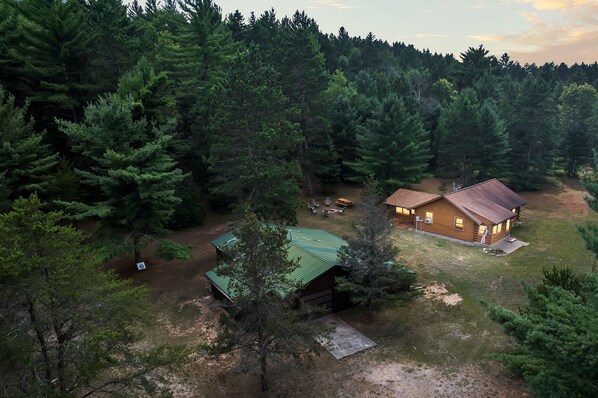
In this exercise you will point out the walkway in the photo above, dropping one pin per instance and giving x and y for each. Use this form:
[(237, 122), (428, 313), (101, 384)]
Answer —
[(343, 340), (509, 245)]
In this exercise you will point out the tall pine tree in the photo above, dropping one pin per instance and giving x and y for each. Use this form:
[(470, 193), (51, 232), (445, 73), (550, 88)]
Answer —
[(393, 146), (253, 158), (132, 168), (26, 163)]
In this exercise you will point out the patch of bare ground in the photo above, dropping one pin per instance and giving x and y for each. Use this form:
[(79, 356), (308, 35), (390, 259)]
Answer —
[(408, 379)]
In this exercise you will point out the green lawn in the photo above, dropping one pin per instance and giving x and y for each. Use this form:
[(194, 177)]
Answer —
[(433, 333)]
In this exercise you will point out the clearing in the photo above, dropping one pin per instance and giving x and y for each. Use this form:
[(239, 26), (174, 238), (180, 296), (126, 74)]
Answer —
[(437, 345)]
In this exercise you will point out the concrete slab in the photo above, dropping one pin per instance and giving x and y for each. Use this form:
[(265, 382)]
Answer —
[(343, 340), (509, 245)]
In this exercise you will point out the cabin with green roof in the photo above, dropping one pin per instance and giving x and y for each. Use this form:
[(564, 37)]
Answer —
[(317, 254)]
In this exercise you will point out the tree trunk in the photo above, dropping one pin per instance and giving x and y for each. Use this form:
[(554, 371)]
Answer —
[(137, 249), (310, 185), (263, 359)]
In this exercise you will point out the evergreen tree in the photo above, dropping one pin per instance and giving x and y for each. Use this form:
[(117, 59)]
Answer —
[(150, 91), (532, 129), (253, 158), (53, 50), (393, 146), (494, 156), (68, 328), (344, 122), (26, 163), (576, 109), (268, 328), (374, 276), (556, 336), (304, 78), (460, 137), (117, 43), (472, 140), (475, 62), (130, 166)]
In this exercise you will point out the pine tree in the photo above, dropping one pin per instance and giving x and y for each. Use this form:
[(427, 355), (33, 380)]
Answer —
[(253, 158), (151, 92), (556, 335), (130, 165), (53, 50), (304, 78), (576, 108), (460, 138), (68, 328), (268, 328), (374, 275), (26, 163), (393, 146), (532, 128), (344, 124), (494, 156)]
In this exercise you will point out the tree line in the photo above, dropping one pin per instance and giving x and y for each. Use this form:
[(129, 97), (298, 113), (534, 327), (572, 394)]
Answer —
[(249, 109)]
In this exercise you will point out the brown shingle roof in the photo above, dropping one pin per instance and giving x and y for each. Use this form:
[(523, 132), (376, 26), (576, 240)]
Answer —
[(410, 199), (490, 199)]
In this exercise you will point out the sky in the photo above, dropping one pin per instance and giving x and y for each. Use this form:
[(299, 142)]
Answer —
[(528, 30)]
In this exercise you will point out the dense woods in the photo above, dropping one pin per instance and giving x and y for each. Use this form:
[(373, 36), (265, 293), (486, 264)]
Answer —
[(250, 109)]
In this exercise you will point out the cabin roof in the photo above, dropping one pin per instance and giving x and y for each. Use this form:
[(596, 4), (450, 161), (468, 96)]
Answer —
[(410, 199), (315, 250), (490, 199)]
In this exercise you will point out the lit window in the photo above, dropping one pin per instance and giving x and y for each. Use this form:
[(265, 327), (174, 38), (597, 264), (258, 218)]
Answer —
[(399, 210), (430, 215), (412, 212), (499, 228), (402, 210), (494, 230), (514, 211), (508, 227), (459, 223), (406, 212), (482, 230)]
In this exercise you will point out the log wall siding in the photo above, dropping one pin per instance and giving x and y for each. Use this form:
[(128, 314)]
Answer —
[(443, 222)]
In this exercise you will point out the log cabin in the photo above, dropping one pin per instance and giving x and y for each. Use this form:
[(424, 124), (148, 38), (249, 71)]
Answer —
[(316, 252), (482, 213)]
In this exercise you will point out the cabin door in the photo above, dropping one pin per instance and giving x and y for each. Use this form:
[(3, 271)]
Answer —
[(508, 228)]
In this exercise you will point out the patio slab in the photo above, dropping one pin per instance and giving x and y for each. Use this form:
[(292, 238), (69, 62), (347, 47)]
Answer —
[(509, 245), (343, 340)]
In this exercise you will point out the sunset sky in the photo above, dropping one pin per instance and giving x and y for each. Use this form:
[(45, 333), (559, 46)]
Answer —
[(529, 30)]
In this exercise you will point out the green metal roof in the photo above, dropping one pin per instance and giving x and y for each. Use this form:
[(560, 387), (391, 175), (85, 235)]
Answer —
[(315, 250)]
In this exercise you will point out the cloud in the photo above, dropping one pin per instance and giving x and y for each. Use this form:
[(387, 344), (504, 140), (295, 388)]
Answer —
[(570, 36), (428, 35), (316, 4), (561, 5)]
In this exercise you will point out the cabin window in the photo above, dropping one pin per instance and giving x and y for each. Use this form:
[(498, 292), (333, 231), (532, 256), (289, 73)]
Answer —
[(499, 229), (429, 215), (459, 223), (482, 230), (412, 212), (514, 211), (494, 229), (402, 210), (508, 226)]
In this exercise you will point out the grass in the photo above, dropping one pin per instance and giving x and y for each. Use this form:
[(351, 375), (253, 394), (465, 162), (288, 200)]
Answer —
[(434, 334)]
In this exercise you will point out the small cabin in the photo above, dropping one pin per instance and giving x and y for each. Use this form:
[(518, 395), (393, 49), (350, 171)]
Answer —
[(482, 213), (316, 252)]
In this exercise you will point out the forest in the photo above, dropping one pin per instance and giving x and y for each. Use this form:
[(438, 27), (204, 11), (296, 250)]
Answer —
[(137, 117), (249, 109)]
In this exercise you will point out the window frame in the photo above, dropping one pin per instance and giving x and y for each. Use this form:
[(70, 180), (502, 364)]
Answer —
[(462, 223)]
